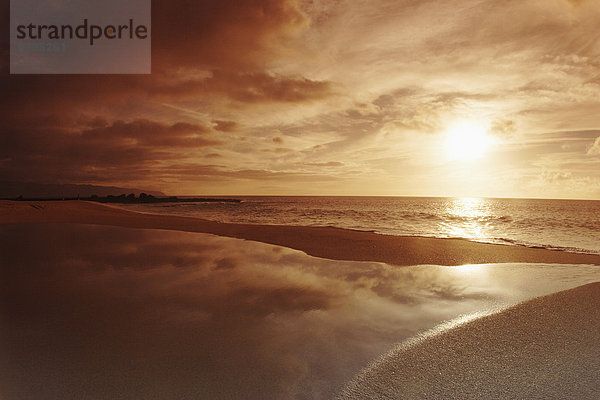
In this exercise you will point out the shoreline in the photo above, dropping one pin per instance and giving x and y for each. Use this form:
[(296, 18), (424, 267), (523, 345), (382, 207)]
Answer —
[(324, 242), (545, 347)]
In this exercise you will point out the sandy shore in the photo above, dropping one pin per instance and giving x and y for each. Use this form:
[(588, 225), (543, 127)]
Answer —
[(546, 348), (324, 242)]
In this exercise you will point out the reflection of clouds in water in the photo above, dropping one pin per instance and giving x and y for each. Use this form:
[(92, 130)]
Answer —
[(124, 313)]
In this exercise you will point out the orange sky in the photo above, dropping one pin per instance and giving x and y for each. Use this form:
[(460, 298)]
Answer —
[(320, 97)]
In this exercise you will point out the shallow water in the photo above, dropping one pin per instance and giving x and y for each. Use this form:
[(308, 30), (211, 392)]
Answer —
[(115, 313), (572, 225)]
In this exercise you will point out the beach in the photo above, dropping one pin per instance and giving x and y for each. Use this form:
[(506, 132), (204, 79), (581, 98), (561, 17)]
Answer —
[(326, 242), (104, 302), (546, 348), (300, 200)]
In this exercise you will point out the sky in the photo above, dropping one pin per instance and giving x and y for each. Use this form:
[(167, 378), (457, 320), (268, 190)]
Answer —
[(336, 97)]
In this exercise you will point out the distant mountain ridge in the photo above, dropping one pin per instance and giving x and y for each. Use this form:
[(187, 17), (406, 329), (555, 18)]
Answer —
[(31, 189)]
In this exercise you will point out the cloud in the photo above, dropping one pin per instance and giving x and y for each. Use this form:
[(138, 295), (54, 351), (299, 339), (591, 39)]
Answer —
[(225, 263), (245, 87), (201, 50), (595, 148), (225, 126), (212, 172), (326, 164), (151, 133), (279, 150), (503, 127), (96, 151), (264, 87), (556, 176), (357, 81), (222, 35)]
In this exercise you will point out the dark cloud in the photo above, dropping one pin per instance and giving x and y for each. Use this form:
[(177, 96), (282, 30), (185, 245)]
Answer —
[(96, 152), (225, 126), (225, 35), (209, 172), (503, 128), (209, 35), (259, 302), (225, 263), (245, 87), (264, 87), (53, 97), (327, 164), (201, 47), (151, 133), (278, 150), (102, 128)]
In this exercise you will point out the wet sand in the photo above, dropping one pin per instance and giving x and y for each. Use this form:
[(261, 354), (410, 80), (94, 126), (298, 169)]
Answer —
[(325, 242), (545, 348)]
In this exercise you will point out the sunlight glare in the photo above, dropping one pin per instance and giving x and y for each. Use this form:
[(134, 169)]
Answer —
[(467, 140)]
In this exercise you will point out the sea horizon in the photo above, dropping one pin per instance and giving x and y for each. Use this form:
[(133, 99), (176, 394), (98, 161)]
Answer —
[(363, 195), (556, 224)]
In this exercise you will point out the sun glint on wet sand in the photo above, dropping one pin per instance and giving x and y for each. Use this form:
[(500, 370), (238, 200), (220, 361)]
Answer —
[(324, 242)]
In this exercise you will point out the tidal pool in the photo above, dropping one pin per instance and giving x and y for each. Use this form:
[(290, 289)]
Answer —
[(114, 313)]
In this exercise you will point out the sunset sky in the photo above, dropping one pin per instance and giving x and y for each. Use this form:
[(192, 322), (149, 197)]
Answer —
[(356, 97)]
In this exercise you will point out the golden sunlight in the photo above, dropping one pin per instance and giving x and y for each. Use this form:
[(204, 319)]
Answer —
[(467, 140)]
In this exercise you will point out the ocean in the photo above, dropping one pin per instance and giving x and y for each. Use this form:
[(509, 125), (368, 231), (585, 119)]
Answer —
[(568, 225)]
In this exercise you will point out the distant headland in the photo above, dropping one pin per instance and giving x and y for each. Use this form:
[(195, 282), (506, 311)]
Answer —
[(131, 198)]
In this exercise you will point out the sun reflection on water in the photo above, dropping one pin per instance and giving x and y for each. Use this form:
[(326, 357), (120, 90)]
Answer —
[(467, 217), (469, 269), (467, 207)]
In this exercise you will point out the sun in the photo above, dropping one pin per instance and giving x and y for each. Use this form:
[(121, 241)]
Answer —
[(467, 140)]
